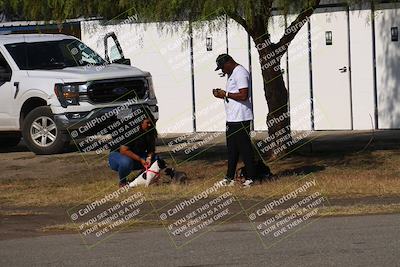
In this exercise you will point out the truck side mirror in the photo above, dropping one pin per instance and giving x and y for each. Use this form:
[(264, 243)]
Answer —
[(125, 61)]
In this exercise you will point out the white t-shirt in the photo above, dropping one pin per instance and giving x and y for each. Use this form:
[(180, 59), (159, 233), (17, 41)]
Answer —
[(237, 111)]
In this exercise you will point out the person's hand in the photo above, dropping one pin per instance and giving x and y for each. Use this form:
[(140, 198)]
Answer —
[(219, 93), (148, 160), (143, 162)]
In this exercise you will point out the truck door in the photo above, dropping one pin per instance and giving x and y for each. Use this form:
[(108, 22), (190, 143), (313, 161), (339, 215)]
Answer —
[(113, 51), (7, 95)]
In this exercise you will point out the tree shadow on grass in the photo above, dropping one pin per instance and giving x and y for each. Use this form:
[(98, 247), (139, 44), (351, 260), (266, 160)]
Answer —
[(346, 151), (303, 170)]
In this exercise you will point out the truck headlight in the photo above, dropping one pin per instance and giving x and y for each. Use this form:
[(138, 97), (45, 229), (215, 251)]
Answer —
[(152, 94), (68, 94)]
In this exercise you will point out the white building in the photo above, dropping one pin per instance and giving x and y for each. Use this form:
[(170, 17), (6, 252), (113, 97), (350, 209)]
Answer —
[(330, 61)]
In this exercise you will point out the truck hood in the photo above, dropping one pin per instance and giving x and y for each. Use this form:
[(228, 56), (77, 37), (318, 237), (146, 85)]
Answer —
[(90, 73)]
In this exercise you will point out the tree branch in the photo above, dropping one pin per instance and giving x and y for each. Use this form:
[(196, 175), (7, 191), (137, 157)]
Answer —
[(236, 17), (296, 25)]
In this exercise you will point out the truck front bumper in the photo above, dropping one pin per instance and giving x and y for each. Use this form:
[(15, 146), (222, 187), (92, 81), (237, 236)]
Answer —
[(76, 120)]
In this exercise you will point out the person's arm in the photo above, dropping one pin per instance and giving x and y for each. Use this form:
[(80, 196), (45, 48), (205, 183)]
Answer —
[(242, 82), (124, 150), (241, 96), (151, 148)]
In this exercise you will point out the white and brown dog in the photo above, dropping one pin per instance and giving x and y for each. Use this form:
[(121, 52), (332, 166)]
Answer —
[(150, 175)]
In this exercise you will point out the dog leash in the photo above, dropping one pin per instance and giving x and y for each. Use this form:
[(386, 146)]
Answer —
[(148, 170)]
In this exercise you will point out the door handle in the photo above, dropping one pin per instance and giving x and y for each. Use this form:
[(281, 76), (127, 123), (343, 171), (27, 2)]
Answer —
[(16, 84), (344, 69)]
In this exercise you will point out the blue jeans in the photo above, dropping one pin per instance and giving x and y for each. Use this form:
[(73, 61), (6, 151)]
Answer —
[(125, 165)]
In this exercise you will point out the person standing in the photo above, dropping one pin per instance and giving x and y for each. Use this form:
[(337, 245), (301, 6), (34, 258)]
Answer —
[(239, 114)]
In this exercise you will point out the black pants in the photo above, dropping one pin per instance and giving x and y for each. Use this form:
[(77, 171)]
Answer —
[(239, 144)]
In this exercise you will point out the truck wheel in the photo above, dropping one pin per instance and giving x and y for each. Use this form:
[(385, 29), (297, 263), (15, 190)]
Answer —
[(10, 139), (41, 134)]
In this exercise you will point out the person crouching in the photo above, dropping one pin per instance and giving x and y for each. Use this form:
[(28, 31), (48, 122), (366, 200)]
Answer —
[(136, 153)]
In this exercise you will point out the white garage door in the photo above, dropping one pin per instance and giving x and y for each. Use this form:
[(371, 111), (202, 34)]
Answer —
[(388, 67), (208, 43), (330, 62)]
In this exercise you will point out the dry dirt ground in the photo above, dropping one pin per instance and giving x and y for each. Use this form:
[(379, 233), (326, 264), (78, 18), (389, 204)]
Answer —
[(358, 172)]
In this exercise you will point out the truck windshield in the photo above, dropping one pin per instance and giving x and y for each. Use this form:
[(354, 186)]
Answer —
[(58, 54)]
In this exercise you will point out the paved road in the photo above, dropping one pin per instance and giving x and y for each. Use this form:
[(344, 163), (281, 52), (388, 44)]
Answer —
[(341, 241)]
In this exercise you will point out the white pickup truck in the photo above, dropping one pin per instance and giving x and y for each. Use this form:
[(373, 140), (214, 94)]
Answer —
[(49, 83)]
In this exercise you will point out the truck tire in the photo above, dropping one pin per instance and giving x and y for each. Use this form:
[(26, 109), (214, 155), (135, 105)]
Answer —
[(41, 133), (9, 139)]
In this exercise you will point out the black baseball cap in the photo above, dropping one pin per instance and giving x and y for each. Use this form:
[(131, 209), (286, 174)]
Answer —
[(221, 60)]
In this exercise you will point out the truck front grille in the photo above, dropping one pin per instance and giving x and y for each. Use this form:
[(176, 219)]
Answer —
[(104, 91)]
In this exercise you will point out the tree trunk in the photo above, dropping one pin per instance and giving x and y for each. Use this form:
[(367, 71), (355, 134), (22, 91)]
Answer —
[(276, 94), (279, 140)]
